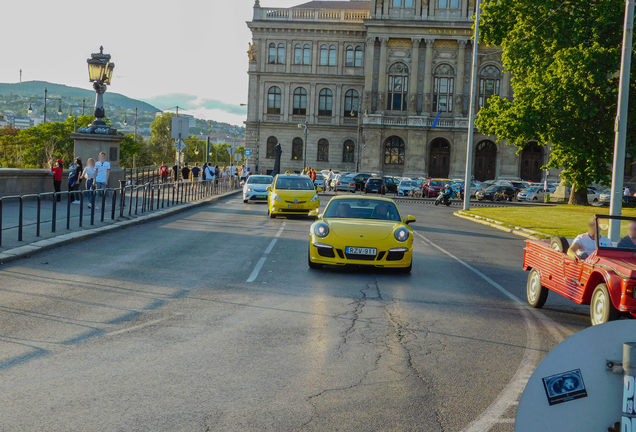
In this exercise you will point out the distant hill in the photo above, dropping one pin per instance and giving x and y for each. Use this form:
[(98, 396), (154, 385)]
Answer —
[(36, 89)]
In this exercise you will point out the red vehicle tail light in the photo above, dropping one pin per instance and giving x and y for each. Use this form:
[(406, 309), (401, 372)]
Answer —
[(339, 184)]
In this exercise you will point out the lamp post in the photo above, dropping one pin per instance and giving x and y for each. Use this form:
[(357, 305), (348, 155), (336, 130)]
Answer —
[(300, 126), (100, 73), (46, 99)]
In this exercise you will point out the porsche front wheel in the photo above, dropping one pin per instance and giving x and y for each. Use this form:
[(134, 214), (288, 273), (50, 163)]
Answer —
[(537, 294), (601, 308)]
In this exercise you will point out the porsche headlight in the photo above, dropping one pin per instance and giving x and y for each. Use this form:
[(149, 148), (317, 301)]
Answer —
[(321, 230), (275, 197), (315, 198), (401, 234)]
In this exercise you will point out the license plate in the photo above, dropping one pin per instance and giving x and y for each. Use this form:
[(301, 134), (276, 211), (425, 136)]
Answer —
[(361, 251), (294, 206), (261, 196)]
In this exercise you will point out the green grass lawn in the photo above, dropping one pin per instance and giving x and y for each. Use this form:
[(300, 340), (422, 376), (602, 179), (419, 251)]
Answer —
[(562, 220)]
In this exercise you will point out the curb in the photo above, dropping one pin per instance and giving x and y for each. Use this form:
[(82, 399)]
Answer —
[(520, 231), (55, 242)]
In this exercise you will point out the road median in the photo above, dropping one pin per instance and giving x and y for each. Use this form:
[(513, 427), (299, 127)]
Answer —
[(538, 222), (33, 248)]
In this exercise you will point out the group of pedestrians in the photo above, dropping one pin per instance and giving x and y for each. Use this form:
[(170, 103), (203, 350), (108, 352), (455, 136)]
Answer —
[(207, 171), (96, 174)]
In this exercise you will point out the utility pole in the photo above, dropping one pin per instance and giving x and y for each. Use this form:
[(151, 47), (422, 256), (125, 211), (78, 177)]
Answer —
[(207, 152), (83, 106), (45, 95), (471, 119), (20, 76), (620, 127)]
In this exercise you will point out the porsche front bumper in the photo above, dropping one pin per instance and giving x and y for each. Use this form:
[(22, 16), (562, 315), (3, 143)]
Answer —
[(398, 255)]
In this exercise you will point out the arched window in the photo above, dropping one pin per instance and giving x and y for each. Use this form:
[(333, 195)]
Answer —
[(350, 61), (300, 101), (358, 62), (403, 3), (281, 53), (351, 103), (272, 54), (298, 54), (307, 54), (398, 87), (324, 55), (271, 147), (448, 4), (323, 151), (394, 151), (332, 55), (297, 149), (443, 88), (489, 84), (274, 96), (348, 152), (325, 103)]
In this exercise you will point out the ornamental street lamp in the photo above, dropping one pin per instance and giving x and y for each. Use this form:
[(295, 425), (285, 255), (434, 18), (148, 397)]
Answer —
[(100, 73)]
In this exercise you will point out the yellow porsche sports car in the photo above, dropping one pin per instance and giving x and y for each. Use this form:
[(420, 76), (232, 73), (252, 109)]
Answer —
[(291, 194), (362, 231)]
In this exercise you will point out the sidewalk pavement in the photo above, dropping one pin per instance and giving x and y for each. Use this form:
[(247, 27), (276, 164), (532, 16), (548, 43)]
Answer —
[(13, 249)]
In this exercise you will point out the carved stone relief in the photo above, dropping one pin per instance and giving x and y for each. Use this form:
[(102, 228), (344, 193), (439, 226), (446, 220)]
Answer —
[(381, 101)]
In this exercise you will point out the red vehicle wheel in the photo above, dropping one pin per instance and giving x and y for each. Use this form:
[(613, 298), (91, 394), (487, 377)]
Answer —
[(601, 308), (537, 294)]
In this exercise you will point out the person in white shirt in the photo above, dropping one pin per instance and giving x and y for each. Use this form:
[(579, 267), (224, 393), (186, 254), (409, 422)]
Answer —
[(584, 244), (627, 191), (89, 175), (102, 173)]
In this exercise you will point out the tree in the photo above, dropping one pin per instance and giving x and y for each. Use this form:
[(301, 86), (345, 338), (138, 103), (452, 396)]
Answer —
[(564, 57), (161, 144)]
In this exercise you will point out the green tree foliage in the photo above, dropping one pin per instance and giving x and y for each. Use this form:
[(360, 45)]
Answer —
[(161, 145), (564, 57)]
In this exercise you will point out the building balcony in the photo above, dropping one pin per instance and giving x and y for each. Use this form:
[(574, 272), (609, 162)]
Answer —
[(310, 15), (415, 121)]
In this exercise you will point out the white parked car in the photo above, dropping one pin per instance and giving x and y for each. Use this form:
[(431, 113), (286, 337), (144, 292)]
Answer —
[(255, 188), (406, 186), (593, 195)]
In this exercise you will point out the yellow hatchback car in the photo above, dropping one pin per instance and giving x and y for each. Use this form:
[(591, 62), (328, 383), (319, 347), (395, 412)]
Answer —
[(292, 194), (362, 231)]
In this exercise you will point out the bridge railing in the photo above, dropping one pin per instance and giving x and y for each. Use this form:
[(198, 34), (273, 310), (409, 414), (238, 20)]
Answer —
[(105, 205)]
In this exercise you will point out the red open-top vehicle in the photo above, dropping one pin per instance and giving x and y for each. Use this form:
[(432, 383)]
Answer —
[(605, 280)]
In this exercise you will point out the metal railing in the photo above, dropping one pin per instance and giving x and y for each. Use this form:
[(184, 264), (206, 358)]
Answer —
[(111, 204), (143, 175)]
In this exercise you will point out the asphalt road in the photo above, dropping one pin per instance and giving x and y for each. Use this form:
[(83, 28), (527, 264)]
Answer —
[(155, 328)]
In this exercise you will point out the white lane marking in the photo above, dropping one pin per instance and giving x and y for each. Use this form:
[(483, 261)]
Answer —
[(261, 262), (137, 327), (512, 392), (506, 420), (257, 269)]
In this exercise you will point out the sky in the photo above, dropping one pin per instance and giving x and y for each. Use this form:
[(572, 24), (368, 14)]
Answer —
[(192, 52)]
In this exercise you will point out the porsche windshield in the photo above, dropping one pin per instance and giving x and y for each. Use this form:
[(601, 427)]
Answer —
[(362, 209), (294, 183), (260, 180)]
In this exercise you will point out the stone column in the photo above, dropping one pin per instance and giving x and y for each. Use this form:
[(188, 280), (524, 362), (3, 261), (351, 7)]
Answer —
[(372, 7), (414, 78), (425, 9), (337, 104), (506, 89), (341, 56), (385, 9), (459, 84), (382, 75), (315, 47), (289, 53), (368, 75), (464, 8), (286, 105), (428, 75), (418, 9), (312, 103)]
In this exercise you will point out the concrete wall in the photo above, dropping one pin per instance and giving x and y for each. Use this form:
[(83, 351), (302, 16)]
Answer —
[(15, 181)]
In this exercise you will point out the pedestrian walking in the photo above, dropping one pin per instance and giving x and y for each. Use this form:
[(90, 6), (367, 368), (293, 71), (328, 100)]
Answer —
[(243, 174), (185, 173), (195, 173), (79, 169), (163, 170), (89, 175), (102, 174), (175, 173), (329, 178), (56, 171)]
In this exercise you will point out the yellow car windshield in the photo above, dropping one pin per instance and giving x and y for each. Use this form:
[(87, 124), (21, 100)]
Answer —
[(294, 184), (362, 209)]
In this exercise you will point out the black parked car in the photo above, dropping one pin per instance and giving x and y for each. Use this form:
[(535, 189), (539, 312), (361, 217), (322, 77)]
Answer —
[(375, 185), (361, 180), (496, 193), (391, 184)]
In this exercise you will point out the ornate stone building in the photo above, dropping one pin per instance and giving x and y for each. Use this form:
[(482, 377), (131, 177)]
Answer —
[(368, 79)]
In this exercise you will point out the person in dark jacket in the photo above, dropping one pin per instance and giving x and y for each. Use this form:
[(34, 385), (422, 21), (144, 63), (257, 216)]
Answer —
[(77, 176)]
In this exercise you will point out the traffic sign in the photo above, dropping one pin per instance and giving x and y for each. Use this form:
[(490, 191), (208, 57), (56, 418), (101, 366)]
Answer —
[(179, 145), (248, 153)]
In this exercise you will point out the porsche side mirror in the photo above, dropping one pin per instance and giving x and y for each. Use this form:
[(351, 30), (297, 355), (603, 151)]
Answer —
[(410, 219), (319, 216), (269, 188), (318, 189)]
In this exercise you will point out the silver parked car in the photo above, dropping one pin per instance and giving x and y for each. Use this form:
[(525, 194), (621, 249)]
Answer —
[(255, 188), (406, 186)]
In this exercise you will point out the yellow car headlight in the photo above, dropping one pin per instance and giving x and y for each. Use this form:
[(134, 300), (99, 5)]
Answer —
[(321, 230), (401, 234), (315, 198), (275, 197)]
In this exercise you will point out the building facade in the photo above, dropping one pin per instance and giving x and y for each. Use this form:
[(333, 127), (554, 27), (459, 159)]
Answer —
[(358, 85)]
